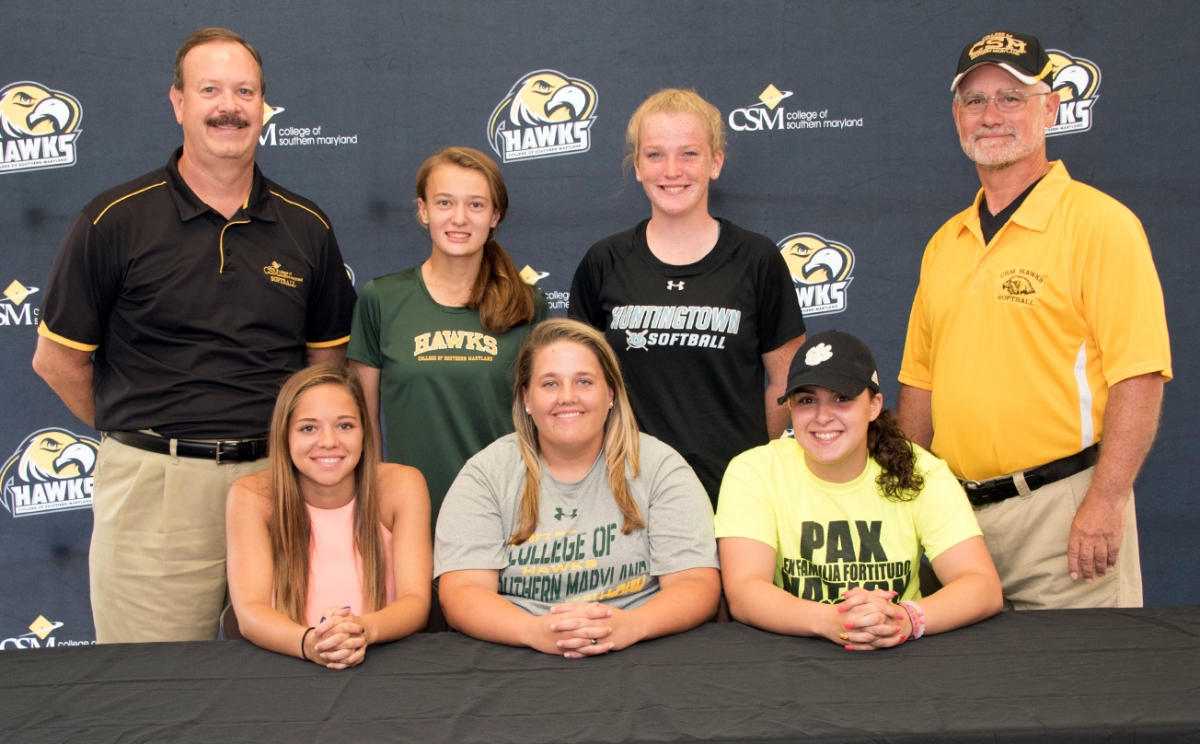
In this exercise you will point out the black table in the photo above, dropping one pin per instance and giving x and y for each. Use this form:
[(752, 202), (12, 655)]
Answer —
[(1080, 675)]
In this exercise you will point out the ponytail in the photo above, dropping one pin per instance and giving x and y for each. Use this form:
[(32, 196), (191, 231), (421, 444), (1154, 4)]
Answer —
[(899, 480), (501, 297)]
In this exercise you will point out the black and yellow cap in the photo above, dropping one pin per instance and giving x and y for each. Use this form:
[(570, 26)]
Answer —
[(1020, 54), (836, 361)]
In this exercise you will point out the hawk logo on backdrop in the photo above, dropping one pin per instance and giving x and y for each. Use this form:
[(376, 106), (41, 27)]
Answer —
[(13, 309), (39, 127), (51, 471), (40, 635), (768, 114), (544, 115), (821, 271), (296, 136), (1077, 81)]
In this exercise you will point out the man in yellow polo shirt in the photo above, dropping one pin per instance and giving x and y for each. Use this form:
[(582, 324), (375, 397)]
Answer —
[(1037, 346)]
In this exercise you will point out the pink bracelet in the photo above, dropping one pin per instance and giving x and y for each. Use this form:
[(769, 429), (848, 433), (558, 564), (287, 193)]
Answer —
[(916, 617)]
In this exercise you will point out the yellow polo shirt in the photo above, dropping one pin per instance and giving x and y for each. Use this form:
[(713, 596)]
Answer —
[(1019, 340)]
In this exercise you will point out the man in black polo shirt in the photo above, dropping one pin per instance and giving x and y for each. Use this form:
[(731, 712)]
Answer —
[(177, 306)]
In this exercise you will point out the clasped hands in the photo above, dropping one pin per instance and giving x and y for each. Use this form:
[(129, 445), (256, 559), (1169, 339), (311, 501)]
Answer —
[(339, 641), (868, 620), (578, 629)]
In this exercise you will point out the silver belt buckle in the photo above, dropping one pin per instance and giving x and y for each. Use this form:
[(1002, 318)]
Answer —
[(219, 445)]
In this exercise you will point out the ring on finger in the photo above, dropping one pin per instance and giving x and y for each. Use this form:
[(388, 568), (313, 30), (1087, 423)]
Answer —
[(843, 636), (594, 641)]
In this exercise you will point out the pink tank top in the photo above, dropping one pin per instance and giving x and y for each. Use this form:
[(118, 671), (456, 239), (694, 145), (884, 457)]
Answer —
[(336, 578)]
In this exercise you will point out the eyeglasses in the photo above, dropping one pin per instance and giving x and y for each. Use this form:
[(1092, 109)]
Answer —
[(1006, 100)]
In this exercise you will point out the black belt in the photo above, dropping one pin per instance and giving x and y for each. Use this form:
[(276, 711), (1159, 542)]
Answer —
[(239, 450), (982, 493)]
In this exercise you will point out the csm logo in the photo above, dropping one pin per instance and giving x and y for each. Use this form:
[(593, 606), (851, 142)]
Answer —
[(821, 272), (40, 636), (39, 126), (545, 114), (1077, 82), (51, 471), (296, 136), (13, 309), (766, 114)]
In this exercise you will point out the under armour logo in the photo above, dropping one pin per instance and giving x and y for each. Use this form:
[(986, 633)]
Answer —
[(674, 285), (559, 513)]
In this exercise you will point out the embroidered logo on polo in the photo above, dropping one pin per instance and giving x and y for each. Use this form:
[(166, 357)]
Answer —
[(846, 564), (50, 471), (426, 344), (711, 325), (281, 276), (1019, 286), (565, 565), (38, 127), (1077, 82), (545, 114), (821, 272), (14, 308)]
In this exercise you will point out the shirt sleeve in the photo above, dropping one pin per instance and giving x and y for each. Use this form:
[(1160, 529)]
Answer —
[(679, 525), (745, 508), (1122, 297), (585, 292), (780, 318), (83, 287), (364, 330), (331, 304), (943, 515), (914, 365), (470, 529)]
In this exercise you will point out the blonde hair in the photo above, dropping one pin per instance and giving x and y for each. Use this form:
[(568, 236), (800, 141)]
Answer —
[(675, 101), (621, 443), (290, 529), (502, 298)]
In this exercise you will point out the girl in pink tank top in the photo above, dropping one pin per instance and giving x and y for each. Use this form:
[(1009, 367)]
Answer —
[(328, 549)]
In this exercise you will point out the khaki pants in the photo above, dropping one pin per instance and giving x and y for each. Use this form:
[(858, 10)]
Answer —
[(158, 545), (1027, 537)]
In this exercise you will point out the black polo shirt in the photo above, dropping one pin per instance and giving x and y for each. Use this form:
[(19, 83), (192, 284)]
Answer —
[(196, 320)]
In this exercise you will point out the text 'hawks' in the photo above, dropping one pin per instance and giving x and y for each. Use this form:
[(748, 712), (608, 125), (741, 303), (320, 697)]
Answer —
[(468, 340)]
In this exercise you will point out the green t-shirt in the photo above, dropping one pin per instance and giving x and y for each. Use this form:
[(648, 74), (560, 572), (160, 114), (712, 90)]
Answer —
[(445, 381), (831, 537)]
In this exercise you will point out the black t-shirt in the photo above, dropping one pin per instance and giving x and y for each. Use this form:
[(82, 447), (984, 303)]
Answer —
[(196, 320), (990, 224), (691, 338)]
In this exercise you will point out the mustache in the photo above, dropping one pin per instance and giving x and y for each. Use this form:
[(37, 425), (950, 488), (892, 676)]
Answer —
[(227, 120), (993, 131)]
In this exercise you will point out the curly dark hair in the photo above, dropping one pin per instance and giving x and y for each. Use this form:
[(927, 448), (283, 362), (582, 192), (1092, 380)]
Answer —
[(900, 480)]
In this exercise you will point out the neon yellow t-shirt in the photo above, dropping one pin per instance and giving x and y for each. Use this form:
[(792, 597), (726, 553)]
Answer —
[(831, 537)]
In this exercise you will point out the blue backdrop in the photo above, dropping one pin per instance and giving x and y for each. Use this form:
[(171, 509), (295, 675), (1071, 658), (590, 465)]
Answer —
[(840, 134)]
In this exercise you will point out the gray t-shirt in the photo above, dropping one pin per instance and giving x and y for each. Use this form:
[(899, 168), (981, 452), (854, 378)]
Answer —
[(577, 553)]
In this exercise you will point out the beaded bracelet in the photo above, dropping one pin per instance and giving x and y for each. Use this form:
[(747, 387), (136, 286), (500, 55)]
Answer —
[(916, 616), (304, 638)]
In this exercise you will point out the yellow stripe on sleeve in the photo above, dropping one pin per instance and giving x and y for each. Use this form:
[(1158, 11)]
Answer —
[(44, 331), (123, 198), (328, 344), (306, 209)]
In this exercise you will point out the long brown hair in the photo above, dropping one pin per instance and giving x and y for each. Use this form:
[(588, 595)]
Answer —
[(501, 297), (899, 480), (621, 443), (290, 529)]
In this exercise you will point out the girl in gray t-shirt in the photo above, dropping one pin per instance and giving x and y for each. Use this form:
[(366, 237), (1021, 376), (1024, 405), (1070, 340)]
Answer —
[(576, 535)]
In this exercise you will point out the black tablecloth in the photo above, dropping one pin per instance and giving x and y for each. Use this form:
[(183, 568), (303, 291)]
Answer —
[(1080, 675)]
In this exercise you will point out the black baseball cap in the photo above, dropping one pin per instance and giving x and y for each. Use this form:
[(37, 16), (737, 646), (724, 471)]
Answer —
[(1020, 54), (836, 361)]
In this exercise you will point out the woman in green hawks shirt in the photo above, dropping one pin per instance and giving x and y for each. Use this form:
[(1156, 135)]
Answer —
[(434, 344)]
